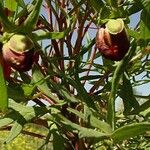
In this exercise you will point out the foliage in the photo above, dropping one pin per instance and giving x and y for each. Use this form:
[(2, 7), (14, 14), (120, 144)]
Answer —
[(71, 91)]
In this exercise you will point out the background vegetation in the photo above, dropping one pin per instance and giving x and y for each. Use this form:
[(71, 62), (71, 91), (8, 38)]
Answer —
[(68, 99)]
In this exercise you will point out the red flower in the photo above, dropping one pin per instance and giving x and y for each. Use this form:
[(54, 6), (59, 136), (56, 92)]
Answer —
[(112, 40), (18, 52)]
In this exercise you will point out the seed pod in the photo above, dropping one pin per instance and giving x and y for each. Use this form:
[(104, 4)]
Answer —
[(18, 52), (112, 40)]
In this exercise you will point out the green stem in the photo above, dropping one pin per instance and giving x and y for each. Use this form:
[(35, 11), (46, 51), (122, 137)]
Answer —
[(115, 81)]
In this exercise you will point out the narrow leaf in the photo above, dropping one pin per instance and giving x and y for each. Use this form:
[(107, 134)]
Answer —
[(97, 4), (91, 133), (82, 131), (129, 131), (15, 131), (3, 90), (103, 126), (4, 20), (41, 35), (39, 80), (144, 25), (5, 121), (32, 19), (126, 93), (11, 5), (21, 3)]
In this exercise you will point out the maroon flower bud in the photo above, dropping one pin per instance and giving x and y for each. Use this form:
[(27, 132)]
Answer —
[(18, 52), (112, 40), (6, 68)]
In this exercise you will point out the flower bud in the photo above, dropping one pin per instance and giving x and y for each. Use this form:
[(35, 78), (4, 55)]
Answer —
[(18, 52), (112, 40), (6, 68)]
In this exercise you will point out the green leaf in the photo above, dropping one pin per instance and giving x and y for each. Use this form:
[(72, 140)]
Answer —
[(134, 34), (90, 77), (103, 126), (15, 131), (3, 91), (63, 92), (146, 113), (136, 7), (58, 140), (144, 25), (32, 18), (5, 121), (126, 93), (4, 20), (16, 92), (94, 122), (21, 3), (26, 113), (129, 131), (91, 133), (97, 4), (11, 5), (28, 89), (141, 108), (82, 131), (39, 80), (115, 82), (41, 35)]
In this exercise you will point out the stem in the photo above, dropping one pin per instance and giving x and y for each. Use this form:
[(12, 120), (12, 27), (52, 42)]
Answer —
[(115, 81)]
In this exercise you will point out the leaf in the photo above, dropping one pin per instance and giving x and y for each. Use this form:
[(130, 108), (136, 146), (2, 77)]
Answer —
[(126, 93), (97, 4), (91, 133), (136, 7), (146, 113), (26, 112), (82, 131), (16, 92), (28, 89), (90, 77), (74, 111), (129, 131), (21, 3), (4, 20), (15, 131), (3, 90), (144, 25), (58, 140), (83, 95), (103, 126), (41, 35), (141, 108), (32, 18), (39, 80), (11, 5), (134, 34), (5, 121), (63, 92)]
